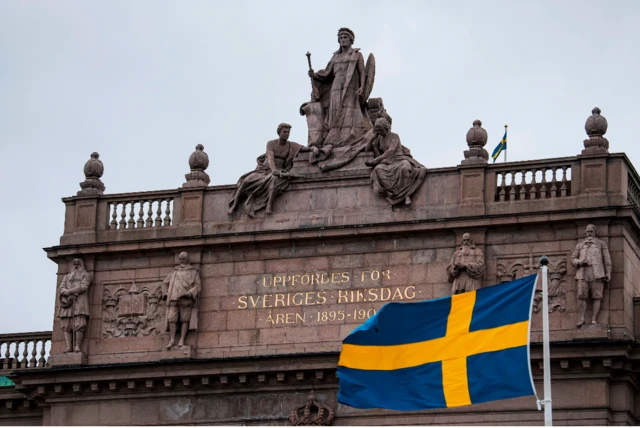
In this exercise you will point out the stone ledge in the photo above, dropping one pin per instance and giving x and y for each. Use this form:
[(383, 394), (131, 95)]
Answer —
[(68, 359)]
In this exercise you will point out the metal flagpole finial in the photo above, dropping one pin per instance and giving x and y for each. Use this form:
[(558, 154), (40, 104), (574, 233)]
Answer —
[(544, 261), (506, 126)]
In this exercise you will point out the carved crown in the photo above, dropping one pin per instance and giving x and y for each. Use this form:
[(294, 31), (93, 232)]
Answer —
[(110, 301), (312, 413)]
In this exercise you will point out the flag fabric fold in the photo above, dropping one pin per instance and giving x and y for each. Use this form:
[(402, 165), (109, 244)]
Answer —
[(502, 145), (448, 352)]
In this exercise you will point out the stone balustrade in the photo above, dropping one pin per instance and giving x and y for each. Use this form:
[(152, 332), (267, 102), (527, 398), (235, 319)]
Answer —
[(141, 213), (345, 198), (20, 351), (529, 182)]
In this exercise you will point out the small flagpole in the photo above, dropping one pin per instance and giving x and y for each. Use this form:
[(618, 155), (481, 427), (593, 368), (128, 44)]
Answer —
[(505, 151), (546, 355)]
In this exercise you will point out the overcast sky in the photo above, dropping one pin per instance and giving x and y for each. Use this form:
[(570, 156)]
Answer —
[(143, 82)]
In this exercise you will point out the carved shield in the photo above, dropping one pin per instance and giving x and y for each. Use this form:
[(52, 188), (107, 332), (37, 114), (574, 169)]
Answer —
[(370, 77)]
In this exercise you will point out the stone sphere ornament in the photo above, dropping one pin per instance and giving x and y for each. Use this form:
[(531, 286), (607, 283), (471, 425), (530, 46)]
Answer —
[(198, 162), (596, 126), (476, 140)]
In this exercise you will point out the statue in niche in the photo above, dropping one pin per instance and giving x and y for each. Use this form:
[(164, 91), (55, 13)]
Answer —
[(260, 187), (466, 269), (396, 174), (182, 288), (339, 94), (74, 305), (593, 262)]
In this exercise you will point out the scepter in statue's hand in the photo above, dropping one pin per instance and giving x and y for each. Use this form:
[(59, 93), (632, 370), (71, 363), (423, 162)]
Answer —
[(314, 89)]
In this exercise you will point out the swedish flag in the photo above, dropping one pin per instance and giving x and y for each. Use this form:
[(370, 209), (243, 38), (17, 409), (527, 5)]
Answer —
[(454, 351), (502, 145)]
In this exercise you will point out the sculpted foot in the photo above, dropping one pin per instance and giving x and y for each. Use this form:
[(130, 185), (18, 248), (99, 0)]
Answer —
[(580, 323), (180, 344), (170, 344), (77, 349), (407, 201), (594, 322), (268, 211)]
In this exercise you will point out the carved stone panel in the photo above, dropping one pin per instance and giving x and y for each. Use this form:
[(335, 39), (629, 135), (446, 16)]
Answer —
[(520, 266), (130, 310)]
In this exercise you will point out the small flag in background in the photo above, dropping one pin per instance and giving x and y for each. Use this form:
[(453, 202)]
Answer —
[(454, 351), (502, 145)]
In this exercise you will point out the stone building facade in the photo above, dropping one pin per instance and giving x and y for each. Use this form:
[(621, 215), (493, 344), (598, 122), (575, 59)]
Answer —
[(280, 292)]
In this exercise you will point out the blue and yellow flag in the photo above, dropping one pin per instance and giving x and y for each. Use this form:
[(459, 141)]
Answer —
[(454, 351), (502, 145)]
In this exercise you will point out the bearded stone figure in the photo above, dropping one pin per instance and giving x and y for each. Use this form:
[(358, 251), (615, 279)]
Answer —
[(466, 269), (593, 262), (181, 289), (74, 305)]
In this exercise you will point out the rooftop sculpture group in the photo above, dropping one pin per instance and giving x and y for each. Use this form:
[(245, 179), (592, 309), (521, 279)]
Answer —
[(341, 120)]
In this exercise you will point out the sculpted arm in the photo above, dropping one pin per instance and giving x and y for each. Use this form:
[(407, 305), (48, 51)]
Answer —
[(395, 142), (575, 257), (607, 261), (197, 285), (84, 284), (64, 286), (477, 267), (271, 161)]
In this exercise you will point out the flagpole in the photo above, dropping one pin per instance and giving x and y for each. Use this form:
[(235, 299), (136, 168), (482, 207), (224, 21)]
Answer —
[(546, 356), (505, 152)]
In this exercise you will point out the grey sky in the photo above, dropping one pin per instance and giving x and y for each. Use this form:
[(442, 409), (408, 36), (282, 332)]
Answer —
[(142, 82)]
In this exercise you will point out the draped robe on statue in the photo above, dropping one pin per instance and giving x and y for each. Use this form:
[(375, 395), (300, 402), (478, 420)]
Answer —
[(338, 118), (469, 277), (184, 282), (399, 175), (255, 185)]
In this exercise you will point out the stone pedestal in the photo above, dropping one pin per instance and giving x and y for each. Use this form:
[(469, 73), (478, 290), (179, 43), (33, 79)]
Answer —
[(68, 359), (591, 331), (178, 353)]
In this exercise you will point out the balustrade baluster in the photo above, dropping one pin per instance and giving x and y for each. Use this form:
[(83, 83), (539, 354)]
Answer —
[(563, 188), (149, 221), (14, 359), (543, 188), (43, 350), (167, 211), (533, 191), (123, 216), (554, 188), (32, 359), (131, 222), (140, 223), (523, 191), (502, 192), (25, 356), (512, 192), (5, 363), (158, 222), (114, 215)]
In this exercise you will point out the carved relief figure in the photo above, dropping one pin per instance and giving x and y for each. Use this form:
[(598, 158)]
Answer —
[(593, 261), (182, 288), (260, 187), (466, 269), (339, 93), (74, 305), (396, 174)]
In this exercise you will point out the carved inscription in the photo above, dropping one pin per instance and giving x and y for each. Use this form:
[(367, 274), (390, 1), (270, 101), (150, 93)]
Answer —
[(303, 292)]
